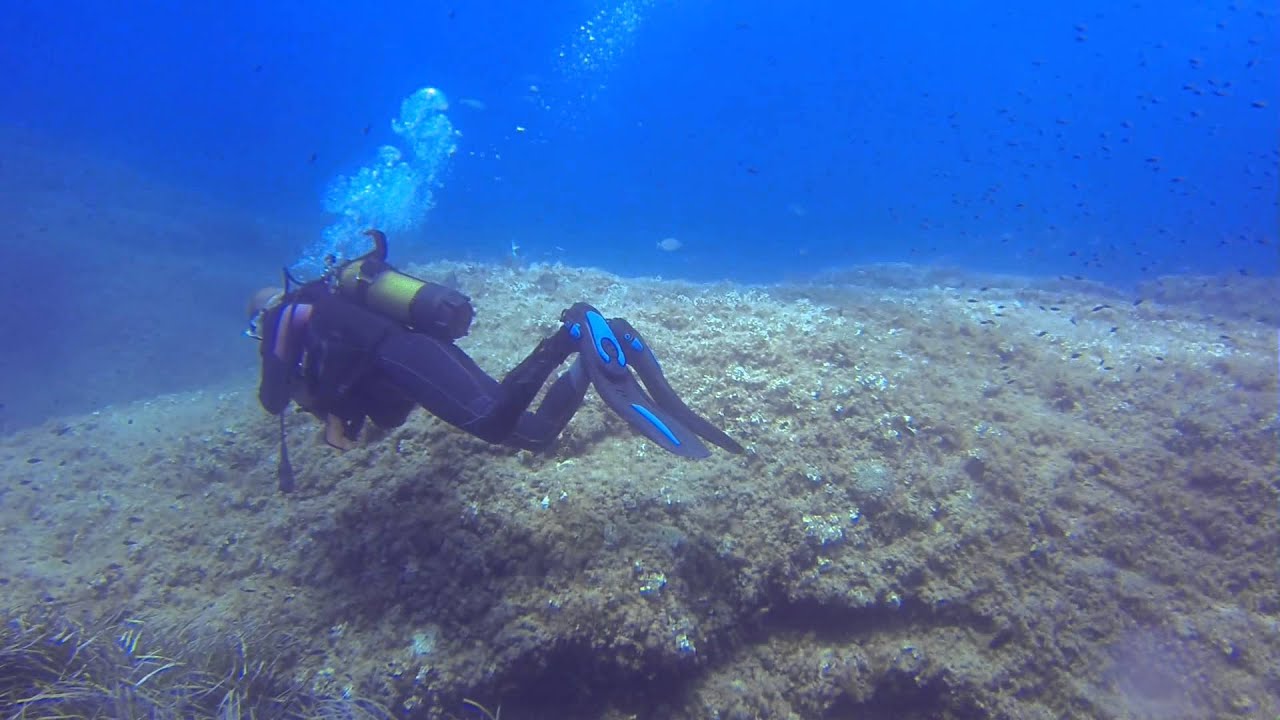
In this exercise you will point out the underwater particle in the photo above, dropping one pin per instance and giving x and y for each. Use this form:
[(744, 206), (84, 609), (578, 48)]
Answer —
[(547, 283), (684, 645), (423, 642), (396, 190), (825, 529), (872, 480), (670, 244), (600, 41), (653, 584)]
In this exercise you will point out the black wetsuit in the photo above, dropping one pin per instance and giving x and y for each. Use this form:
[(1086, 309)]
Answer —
[(356, 364)]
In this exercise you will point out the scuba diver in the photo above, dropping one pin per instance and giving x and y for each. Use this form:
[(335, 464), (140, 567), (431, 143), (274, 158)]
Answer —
[(367, 342)]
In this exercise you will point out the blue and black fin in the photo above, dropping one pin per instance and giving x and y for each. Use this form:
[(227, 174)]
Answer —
[(610, 349)]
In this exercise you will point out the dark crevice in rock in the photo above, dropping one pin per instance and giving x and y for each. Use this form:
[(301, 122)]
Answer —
[(906, 696), (576, 680)]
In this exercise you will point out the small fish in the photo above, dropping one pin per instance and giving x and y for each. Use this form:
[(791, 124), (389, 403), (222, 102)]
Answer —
[(472, 103), (670, 244)]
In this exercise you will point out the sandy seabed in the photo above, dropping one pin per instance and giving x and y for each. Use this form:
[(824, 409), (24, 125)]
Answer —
[(963, 497)]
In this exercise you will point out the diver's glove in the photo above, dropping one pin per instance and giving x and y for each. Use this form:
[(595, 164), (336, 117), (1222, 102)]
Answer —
[(610, 349)]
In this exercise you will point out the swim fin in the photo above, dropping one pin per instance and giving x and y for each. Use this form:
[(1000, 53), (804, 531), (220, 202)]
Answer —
[(610, 349)]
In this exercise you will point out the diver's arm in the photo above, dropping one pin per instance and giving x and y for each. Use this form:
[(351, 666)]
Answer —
[(275, 388)]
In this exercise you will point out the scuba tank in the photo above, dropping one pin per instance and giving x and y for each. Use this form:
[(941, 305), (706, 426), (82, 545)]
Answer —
[(427, 307)]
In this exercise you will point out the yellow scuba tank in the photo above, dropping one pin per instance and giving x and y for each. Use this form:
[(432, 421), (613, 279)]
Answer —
[(427, 307)]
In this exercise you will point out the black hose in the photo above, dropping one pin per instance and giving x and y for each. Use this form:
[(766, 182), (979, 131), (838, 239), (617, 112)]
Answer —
[(284, 471)]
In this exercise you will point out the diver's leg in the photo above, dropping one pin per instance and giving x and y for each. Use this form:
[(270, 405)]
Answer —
[(386, 403), (537, 430), (449, 384)]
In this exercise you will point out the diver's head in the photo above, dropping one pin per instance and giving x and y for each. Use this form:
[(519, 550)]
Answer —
[(261, 301)]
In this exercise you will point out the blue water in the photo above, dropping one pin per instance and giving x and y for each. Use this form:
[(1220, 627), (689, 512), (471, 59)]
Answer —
[(159, 161), (1110, 141)]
